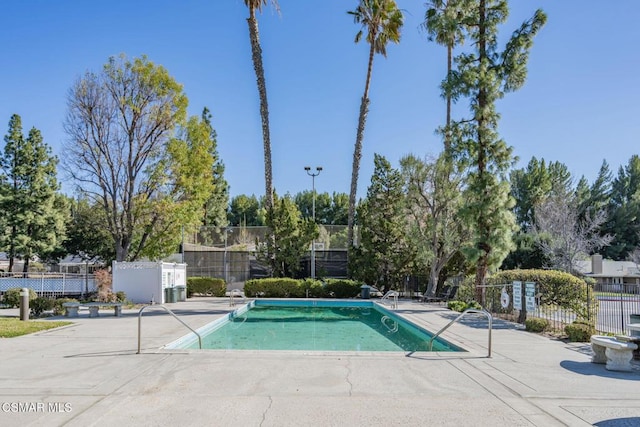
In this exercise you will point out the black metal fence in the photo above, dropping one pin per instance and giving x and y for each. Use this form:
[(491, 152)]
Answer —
[(610, 312), (240, 266)]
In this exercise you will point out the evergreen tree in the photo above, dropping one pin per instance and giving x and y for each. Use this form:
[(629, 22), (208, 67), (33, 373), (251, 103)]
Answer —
[(87, 232), (288, 239), (245, 211), (330, 209), (599, 193), (483, 76), (529, 186), (215, 208), (382, 257), (34, 214), (624, 211)]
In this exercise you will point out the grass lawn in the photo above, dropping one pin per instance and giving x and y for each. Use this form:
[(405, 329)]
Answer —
[(14, 327)]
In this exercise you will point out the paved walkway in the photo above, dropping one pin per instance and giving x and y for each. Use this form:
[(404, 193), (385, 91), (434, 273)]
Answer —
[(89, 373)]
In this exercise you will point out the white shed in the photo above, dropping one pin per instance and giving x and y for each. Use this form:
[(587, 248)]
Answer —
[(150, 282)]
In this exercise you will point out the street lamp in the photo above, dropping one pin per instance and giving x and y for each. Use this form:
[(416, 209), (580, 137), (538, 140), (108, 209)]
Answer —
[(227, 230), (313, 212)]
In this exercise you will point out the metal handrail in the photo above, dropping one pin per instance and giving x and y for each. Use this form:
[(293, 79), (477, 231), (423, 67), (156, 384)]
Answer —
[(233, 294), (468, 311), (393, 294), (171, 313)]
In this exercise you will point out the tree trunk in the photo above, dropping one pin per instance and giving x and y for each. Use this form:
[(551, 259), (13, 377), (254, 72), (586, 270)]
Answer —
[(483, 228), (481, 273), (256, 56), (357, 152), (447, 135)]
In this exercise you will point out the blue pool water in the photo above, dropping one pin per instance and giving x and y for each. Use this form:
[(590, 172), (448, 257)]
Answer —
[(314, 326)]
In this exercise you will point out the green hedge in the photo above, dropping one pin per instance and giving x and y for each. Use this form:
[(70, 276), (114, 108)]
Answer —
[(343, 288), (292, 288), (554, 287), (276, 287), (209, 286)]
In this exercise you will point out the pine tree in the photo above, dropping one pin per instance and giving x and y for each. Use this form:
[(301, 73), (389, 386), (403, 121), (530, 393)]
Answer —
[(483, 76), (34, 215), (215, 209)]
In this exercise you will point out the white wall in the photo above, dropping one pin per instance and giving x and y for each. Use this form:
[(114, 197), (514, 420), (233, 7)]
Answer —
[(144, 282)]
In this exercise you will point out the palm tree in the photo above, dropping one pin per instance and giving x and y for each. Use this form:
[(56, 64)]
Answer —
[(442, 21), (381, 20), (256, 56)]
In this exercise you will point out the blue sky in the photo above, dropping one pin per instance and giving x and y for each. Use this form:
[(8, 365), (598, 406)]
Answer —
[(579, 105)]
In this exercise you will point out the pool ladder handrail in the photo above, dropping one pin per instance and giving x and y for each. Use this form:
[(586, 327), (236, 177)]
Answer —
[(390, 294), (171, 313), (236, 292), (464, 313)]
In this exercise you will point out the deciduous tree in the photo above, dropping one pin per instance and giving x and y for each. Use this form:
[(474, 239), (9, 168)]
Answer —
[(433, 201), (567, 238), (123, 153)]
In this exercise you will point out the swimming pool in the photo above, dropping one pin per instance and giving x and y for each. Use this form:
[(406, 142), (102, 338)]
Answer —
[(313, 325)]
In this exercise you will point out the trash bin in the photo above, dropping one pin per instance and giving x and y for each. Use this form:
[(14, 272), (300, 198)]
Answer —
[(182, 293), (365, 291), (169, 295)]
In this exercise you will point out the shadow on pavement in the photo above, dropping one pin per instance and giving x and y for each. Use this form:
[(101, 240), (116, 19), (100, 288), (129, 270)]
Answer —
[(588, 368)]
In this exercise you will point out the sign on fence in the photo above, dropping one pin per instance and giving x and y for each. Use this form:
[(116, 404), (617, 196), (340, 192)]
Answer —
[(517, 295), (530, 296)]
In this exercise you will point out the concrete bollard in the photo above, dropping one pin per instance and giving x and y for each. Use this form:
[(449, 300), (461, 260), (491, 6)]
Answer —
[(24, 304)]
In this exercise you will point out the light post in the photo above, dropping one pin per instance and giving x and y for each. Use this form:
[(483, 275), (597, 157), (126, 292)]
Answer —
[(227, 230), (313, 213)]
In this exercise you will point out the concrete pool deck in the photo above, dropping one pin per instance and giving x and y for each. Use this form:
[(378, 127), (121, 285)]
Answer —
[(88, 373)]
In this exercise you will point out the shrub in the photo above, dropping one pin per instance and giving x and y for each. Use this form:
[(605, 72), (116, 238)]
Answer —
[(460, 306), (455, 305), (315, 288), (342, 288), (466, 290), (58, 309), (12, 296), (39, 305), (210, 286), (536, 324), (121, 296), (103, 283), (275, 287), (579, 332)]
